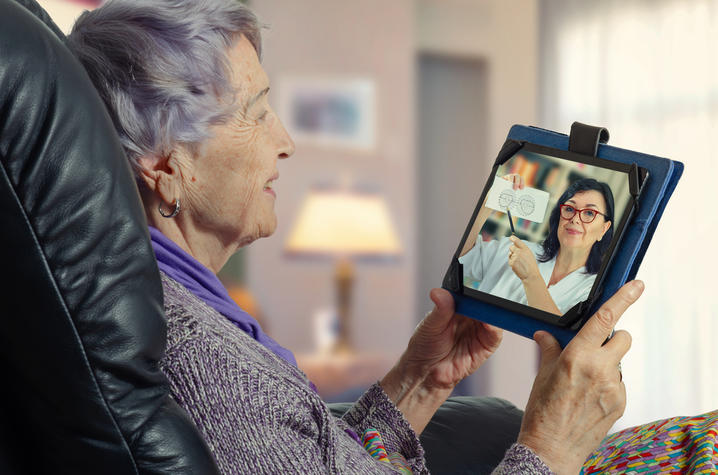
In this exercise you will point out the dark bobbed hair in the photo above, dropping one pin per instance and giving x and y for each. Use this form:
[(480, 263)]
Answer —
[(551, 244)]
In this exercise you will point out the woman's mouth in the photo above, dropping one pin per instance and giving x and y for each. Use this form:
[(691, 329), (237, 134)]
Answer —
[(268, 186), (573, 232)]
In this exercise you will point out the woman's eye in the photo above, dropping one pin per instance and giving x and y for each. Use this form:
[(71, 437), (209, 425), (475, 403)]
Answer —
[(589, 214), (570, 209)]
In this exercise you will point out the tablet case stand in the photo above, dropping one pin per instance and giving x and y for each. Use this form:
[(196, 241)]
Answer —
[(588, 140)]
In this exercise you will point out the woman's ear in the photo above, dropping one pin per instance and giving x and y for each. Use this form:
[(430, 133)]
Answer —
[(147, 166), (606, 227), (162, 175)]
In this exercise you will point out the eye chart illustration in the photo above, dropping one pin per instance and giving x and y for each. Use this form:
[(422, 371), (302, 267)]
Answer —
[(529, 203)]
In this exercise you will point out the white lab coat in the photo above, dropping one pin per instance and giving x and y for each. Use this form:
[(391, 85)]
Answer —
[(488, 264)]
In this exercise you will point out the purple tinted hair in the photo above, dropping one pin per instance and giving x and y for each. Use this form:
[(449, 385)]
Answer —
[(161, 67)]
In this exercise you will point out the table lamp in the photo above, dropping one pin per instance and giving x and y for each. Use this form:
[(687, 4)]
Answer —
[(345, 226)]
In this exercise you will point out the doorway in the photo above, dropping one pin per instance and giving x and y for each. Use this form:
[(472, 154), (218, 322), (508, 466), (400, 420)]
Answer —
[(453, 167)]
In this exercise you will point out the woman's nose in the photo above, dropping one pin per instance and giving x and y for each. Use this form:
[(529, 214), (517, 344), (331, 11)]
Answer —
[(287, 144), (284, 141)]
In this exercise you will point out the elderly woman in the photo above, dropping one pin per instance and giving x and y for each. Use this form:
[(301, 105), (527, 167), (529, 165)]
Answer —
[(184, 86), (557, 274)]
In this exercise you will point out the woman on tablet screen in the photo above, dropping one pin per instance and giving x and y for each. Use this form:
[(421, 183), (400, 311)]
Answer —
[(558, 274)]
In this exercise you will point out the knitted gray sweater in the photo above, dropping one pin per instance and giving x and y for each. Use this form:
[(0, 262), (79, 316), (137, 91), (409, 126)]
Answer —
[(258, 413)]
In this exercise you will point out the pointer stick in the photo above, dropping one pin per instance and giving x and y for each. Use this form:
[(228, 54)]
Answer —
[(511, 221)]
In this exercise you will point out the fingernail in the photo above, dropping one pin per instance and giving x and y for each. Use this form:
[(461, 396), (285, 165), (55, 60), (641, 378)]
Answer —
[(636, 288)]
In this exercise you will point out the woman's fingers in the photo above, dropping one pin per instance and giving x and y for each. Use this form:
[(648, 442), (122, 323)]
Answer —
[(618, 345), (442, 298), (444, 305), (612, 401), (517, 181), (490, 336), (518, 243), (550, 348), (578, 393), (600, 325)]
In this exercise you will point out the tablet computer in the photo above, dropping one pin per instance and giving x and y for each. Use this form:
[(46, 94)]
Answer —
[(544, 231), (542, 241)]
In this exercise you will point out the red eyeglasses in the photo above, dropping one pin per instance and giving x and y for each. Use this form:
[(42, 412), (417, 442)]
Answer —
[(586, 215)]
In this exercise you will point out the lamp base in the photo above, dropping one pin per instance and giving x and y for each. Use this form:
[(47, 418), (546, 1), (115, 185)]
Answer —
[(344, 279), (342, 347)]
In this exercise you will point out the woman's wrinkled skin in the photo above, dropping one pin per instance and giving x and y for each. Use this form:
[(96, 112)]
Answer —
[(225, 187), (579, 392), (227, 201)]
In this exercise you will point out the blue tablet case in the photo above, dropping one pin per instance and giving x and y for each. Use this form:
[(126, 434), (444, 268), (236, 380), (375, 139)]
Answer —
[(663, 178)]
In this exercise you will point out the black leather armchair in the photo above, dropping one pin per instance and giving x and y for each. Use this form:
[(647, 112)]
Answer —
[(81, 322)]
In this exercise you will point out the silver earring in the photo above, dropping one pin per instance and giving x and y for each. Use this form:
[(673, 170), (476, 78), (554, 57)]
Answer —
[(174, 212)]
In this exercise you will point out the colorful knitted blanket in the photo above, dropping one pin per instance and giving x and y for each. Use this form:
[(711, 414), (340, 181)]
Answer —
[(374, 444), (675, 445)]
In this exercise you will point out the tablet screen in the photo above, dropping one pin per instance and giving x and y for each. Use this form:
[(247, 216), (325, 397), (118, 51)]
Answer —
[(544, 231)]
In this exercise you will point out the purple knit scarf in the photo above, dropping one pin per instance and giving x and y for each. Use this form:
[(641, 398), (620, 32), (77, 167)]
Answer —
[(204, 284)]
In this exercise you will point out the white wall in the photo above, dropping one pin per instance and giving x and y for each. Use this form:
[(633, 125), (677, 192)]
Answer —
[(381, 39), (504, 36), (327, 38), (64, 13), (645, 69)]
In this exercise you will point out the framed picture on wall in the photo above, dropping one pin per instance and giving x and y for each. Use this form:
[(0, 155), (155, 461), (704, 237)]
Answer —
[(329, 112)]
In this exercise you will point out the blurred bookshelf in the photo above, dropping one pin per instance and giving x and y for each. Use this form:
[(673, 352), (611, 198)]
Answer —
[(553, 176)]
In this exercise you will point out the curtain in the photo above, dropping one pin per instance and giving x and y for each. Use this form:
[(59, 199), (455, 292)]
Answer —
[(648, 71)]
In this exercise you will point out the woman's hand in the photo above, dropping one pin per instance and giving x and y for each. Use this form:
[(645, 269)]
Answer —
[(518, 184), (445, 348), (578, 393), (516, 179), (522, 260)]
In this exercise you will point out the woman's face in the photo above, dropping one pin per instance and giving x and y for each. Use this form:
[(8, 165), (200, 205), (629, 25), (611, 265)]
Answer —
[(573, 233), (229, 192)]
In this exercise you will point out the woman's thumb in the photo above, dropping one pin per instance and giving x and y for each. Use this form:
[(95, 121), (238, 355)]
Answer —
[(444, 305), (550, 348)]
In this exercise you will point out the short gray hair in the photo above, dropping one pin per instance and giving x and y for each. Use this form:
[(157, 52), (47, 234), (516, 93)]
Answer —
[(161, 67)]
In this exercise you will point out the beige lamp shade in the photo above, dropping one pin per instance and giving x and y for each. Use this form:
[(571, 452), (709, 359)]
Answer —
[(342, 223)]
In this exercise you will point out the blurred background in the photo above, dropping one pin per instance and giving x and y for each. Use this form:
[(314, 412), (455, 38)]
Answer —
[(398, 110), (552, 175)]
